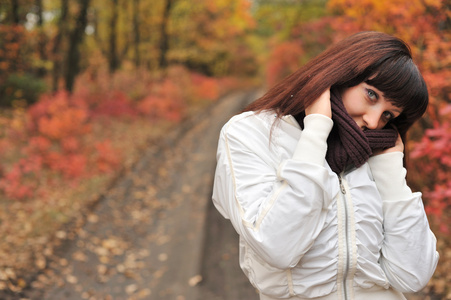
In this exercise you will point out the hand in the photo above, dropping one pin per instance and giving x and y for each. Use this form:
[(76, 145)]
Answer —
[(321, 105), (398, 147)]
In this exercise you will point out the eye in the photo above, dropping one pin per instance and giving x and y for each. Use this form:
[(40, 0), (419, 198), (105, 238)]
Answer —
[(388, 116), (372, 94)]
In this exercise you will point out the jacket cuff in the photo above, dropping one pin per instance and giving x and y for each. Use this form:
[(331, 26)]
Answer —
[(312, 145), (390, 176)]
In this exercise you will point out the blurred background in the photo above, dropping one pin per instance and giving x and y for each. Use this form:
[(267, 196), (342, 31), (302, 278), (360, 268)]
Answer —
[(84, 85)]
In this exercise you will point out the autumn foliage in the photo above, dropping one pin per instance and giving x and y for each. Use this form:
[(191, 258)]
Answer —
[(283, 60), (54, 137), (426, 27), (60, 140)]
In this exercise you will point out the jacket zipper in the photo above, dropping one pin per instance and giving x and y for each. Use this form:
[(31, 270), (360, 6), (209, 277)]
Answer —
[(347, 239)]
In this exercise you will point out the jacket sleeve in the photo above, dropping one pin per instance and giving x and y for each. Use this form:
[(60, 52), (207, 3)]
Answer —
[(278, 210), (409, 255)]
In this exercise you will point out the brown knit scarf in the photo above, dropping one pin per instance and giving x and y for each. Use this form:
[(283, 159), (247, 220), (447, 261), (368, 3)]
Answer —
[(349, 145)]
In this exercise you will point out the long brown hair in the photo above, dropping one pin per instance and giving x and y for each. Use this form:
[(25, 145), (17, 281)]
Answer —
[(385, 59)]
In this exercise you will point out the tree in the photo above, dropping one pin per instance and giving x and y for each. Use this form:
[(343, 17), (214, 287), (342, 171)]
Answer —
[(208, 36), (42, 39), (136, 33), (113, 56), (57, 44), (75, 39), (164, 36), (15, 12)]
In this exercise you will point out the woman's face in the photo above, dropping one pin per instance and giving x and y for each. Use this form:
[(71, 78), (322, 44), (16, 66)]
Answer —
[(368, 107)]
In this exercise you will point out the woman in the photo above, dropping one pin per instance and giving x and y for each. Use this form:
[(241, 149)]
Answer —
[(311, 176)]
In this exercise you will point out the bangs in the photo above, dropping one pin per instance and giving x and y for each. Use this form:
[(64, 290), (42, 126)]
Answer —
[(402, 85)]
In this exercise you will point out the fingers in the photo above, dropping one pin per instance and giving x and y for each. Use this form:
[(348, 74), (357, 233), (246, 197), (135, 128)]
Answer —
[(398, 147)]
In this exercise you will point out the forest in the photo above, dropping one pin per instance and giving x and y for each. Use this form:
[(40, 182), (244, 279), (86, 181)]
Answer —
[(85, 85)]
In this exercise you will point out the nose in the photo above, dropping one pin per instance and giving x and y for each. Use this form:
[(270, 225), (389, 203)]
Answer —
[(372, 120)]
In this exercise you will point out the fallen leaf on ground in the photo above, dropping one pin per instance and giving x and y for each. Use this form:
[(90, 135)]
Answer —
[(193, 281)]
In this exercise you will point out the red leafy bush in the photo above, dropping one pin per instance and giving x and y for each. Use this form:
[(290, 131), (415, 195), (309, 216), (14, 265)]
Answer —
[(57, 139), (432, 157)]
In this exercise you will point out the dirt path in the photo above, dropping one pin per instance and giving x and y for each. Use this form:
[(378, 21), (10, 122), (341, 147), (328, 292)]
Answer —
[(145, 239)]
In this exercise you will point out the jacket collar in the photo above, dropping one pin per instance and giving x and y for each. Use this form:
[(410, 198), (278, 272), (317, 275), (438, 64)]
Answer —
[(291, 120)]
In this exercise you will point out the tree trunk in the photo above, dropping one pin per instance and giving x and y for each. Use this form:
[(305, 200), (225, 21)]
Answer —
[(42, 39), (75, 39), (137, 37), (164, 36), (113, 58), (15, 18), (57, 44)]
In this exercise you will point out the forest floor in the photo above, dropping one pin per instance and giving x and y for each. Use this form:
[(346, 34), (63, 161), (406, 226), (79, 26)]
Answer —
[(155, 234)]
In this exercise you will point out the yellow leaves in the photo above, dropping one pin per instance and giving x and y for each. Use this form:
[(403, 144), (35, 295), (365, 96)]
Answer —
[(210, 32), (18, 120), (9, 280), (163, 257), (193, 281), (102, 269), (383, 15), (93, 218), (40, 262), (61, 234), (144, 293), (112, 245), (71, 279), (434, 3), (104, 249), (131, 288), (7, 273), (79, 256)]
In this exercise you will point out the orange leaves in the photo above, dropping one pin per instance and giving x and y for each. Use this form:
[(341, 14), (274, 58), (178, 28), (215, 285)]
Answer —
[(68, 122), (156, 107), (114, 104), (39, 144), (204, 87), (409, 20), (12, 44), (59, 128), (284, 60), (108, 158), (56, 117), (71, 166), (57, 146), (166, 101), (16, 183)]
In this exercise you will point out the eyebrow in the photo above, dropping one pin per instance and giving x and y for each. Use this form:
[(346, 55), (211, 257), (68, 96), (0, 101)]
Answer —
[(379, 93)]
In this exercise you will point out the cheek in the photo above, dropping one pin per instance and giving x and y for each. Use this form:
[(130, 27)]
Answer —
[(353, 106), (354, 102), (355, 109)]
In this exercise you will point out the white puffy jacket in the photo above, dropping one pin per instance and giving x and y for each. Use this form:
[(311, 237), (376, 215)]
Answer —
[(306, 231)]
